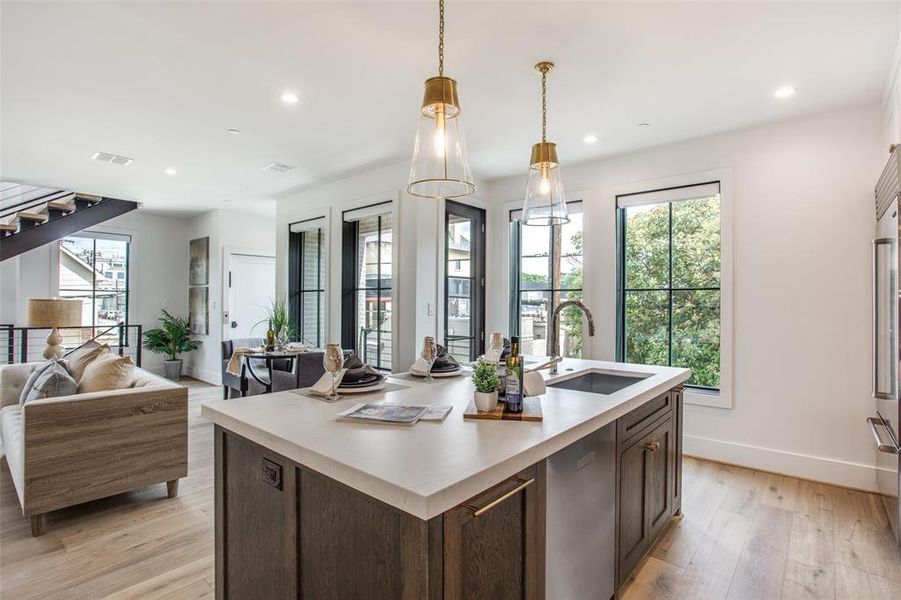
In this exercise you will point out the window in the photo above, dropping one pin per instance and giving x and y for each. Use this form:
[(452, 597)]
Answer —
[(367, 284), (546, 269), (669, 279), (93, 268), (306, 281), (464, 280)]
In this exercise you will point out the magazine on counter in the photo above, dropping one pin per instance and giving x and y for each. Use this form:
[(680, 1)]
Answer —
[(436, 413), (384, 413)]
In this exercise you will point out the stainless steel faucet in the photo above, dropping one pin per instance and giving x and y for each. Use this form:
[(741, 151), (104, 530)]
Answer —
[(555, 327)]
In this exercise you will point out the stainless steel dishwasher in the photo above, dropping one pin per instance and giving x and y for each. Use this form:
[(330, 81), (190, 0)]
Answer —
[(581, 507)]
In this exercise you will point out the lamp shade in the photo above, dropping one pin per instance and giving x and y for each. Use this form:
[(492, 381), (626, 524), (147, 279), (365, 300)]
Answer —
[(545, 201), (440, 167), (54, 312)]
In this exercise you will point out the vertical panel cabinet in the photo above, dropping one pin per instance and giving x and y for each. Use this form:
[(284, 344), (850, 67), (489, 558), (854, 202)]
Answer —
[(649, 470)]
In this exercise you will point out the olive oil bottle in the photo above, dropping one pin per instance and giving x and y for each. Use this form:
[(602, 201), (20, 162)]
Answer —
[(514, 391)]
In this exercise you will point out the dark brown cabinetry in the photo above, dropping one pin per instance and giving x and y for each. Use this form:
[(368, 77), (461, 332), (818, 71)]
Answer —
[(283, 531), (649, 470)]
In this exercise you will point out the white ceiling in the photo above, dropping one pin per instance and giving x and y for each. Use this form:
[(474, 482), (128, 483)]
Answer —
[(162, 82)]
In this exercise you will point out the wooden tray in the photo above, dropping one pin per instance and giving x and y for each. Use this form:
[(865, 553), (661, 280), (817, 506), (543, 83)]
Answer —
[(531, 411)]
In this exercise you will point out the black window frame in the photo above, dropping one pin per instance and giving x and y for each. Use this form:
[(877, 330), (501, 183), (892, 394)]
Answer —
[(296, 291), (124, 337), (350, 332), (515, 267), (622, 290), (476, 275)]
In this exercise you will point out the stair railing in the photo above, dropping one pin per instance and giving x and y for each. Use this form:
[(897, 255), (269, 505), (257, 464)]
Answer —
[(125, 334), (33, 203)]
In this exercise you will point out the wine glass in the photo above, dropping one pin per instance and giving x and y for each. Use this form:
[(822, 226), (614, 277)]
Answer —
[(429, 354), (497, 344), (333, 360)]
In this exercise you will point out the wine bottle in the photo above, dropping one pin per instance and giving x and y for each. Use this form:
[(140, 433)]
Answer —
[(514, 391), (270, 338)]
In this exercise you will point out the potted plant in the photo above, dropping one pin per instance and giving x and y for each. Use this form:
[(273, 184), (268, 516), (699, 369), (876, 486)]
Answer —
[(173, 338), (278, 315), (486, 382)]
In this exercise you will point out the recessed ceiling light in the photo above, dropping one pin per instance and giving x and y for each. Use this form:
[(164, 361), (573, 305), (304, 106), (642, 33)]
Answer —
[(234, 131), (644, 124), (590, 139), (786, 91), (289, 98), (169, 171)]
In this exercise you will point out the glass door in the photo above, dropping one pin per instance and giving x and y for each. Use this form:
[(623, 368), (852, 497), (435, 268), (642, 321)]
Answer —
[(464, 281)]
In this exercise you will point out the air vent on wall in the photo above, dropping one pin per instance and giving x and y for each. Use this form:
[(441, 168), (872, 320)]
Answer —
[(277, 166), (113, 159)]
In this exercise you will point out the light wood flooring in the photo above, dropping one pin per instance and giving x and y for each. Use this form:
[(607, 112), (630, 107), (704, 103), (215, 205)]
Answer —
[(745, 534)]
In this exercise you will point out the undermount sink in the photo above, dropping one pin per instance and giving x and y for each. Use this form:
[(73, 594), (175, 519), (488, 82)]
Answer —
[(598, 383)]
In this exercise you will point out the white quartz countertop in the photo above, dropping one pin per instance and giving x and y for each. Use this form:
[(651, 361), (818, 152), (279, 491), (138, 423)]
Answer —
[(431, 467)]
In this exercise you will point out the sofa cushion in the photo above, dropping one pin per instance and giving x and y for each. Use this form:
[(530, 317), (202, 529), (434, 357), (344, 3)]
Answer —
[(107, 372), (81, 358), (53, 382), (12, 429), (33, 377)]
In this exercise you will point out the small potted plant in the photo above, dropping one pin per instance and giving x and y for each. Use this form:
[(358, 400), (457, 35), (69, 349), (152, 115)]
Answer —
[(486, 382), (172, 339), (278, 315)]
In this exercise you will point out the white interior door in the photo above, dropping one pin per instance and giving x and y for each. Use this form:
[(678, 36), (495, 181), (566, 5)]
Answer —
[(251, 289)]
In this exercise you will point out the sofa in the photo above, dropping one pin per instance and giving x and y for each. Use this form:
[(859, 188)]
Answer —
[(67, 450), (306, 370)]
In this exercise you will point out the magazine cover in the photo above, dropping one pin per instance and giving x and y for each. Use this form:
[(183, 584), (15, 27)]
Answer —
[(386, 413)]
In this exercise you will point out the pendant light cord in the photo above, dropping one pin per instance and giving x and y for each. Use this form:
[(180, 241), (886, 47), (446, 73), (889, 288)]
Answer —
[(543, 106), (440, 38)]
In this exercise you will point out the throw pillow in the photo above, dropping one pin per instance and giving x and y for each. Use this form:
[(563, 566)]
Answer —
[(108, 372), (53, 382), (81, 358), (33, 377)]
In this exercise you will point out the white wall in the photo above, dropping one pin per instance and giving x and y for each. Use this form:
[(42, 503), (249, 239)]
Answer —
[(419, 231), (227, 230), (158, 266), (803, 225)]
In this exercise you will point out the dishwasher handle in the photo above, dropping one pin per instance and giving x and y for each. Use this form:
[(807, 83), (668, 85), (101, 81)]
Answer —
[(891, 447)]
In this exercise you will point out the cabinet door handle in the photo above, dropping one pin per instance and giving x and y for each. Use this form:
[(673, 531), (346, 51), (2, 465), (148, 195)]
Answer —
[(523, 484), (652, 446)]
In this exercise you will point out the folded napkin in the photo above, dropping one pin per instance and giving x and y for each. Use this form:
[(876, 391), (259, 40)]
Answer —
[(234, 363), (358, 371), (533, 383), (323, 387), (443, 362)]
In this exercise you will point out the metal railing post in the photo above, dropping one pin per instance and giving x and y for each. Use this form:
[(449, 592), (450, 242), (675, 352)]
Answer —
[(23, 347), (139, 345)]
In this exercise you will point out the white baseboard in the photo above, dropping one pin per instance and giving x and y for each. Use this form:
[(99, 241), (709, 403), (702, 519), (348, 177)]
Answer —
[(205, 375), (804, 466)]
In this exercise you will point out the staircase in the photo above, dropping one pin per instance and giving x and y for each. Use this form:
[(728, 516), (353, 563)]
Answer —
[(32, 216)]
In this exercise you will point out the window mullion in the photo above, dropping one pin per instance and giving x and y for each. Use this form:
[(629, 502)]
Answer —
[(670, 284)]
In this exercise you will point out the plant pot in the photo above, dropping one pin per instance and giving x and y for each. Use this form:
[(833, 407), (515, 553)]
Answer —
[(486, 401), (173, 369)]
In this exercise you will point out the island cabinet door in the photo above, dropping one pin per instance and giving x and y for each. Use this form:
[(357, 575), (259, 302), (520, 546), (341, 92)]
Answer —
[(494, 544), (256, 521), (646, 473)]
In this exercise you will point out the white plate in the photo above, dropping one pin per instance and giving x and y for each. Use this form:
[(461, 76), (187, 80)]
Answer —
[(438, 375), (362, 390)]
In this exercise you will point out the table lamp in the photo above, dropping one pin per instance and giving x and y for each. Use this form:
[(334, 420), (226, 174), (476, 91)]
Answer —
[(54, 312)]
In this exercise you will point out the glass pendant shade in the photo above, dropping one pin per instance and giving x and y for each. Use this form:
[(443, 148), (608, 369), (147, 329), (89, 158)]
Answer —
[(440, 167), (545, 202)]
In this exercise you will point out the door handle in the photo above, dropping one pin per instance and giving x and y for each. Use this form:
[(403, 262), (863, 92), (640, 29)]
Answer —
[(652, 446), (889, 448), (523, 484)]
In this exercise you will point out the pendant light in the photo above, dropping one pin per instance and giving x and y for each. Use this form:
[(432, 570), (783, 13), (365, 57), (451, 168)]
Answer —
[(440, 166), (544, 203)]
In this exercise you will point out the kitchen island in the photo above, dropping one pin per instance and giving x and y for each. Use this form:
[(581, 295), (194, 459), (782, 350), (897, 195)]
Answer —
[(310, 506)]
